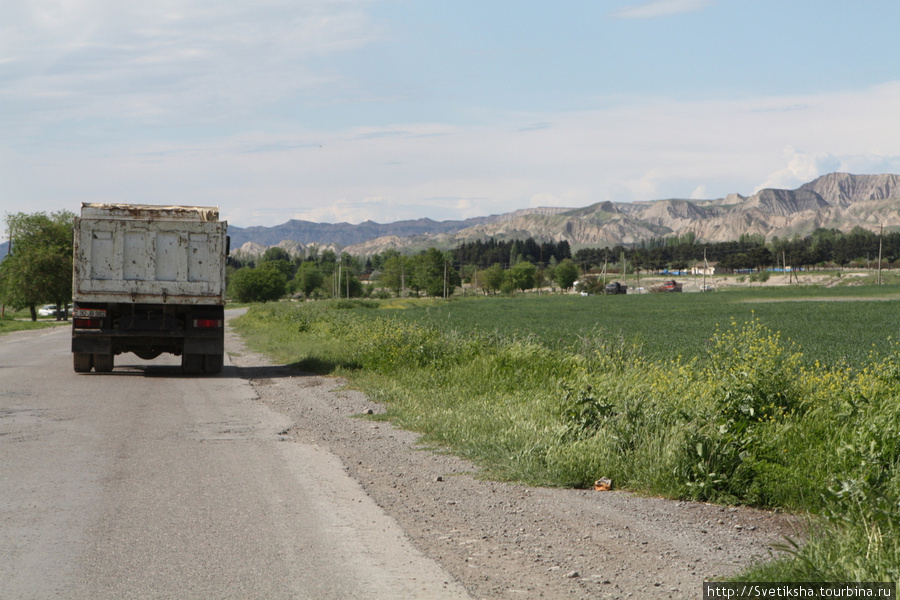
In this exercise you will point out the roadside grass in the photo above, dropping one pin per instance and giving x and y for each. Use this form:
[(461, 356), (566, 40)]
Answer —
[(746, 417), (21, 321)]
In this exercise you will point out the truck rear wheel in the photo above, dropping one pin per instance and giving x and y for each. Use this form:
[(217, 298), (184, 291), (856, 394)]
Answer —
[(212, 363), (103, 363), (83, 362), (192, 364)]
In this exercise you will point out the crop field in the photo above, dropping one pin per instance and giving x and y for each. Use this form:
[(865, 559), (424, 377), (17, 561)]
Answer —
[(777, 398), (829, 325)]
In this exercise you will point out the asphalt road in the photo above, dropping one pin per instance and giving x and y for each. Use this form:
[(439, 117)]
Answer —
[(145, 483)]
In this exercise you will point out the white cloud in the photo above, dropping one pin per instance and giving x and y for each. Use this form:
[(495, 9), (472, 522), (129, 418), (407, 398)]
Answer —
[(801, 168), (637, 150), (661, 8), (168, 62)]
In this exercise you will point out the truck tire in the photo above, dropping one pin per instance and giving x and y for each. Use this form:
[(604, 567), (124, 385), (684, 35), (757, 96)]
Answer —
[(103, 363), (212, 363), (192, 364), (83, 362)]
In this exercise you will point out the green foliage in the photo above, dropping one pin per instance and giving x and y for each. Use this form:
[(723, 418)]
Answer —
[(13, 321), (38, 268), (433, 274), (565, 274), (521, 276), (749, 419), (308, 279), (393, 273), (283, 267), (490, 280), (760, 276), (257, 285), (750, 251), (668, 325), (274, 253)]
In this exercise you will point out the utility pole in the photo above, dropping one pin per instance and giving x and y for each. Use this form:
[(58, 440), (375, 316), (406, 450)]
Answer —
[(705, 265), (880, 240), (784, 264)]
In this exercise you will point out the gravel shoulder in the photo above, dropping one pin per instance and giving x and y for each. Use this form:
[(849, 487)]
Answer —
[(504, 540)]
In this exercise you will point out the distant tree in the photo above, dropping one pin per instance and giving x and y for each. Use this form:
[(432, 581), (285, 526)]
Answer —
[(347, 283), (760, 258), (433, 273), (258, 285), (491, 279), (378, 260), (275, 253), (286, 268), (308, 278), (566, 274), (521, 276), (328, 256), (394, 272), (38, 268)]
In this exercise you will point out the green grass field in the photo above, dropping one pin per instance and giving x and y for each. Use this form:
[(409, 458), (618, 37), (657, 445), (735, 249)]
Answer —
[(829, 324), (768, 397)]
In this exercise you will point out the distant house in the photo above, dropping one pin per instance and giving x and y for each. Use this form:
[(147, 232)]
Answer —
[(709, 269)]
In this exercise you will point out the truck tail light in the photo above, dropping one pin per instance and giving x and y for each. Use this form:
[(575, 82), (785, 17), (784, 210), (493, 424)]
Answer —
[(79, 323), (207, 323), (88, 318)]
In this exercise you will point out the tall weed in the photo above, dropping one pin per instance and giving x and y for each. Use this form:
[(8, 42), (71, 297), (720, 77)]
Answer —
[(752, 422)]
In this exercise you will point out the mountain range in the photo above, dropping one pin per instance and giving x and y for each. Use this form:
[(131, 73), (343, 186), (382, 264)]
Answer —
[(834, 201), (837, 200)]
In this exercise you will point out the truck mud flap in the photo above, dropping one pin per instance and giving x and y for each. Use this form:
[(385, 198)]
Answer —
[(91, 345), (203, 346)]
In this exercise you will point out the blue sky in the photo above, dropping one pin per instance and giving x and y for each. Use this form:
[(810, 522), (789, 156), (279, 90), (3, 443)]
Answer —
[(348, 110)]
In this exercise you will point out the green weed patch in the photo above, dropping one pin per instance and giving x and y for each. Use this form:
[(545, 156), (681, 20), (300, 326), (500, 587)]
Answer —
[(747, 416)]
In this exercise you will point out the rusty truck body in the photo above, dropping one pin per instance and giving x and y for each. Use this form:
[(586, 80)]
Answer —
[(149, 280)]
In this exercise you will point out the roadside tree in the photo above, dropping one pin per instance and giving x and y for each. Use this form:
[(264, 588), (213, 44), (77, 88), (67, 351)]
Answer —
[(38, 268)]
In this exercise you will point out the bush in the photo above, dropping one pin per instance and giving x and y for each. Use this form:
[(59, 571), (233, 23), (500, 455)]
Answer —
[(257, 285)]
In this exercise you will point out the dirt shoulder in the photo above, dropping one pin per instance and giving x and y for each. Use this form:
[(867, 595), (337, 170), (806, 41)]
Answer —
[(511, 541)]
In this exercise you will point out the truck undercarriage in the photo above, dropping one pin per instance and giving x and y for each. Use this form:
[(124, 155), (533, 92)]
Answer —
[(103, 330)]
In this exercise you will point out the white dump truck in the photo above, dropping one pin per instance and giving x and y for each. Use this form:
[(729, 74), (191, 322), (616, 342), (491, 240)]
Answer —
[(149, 280)]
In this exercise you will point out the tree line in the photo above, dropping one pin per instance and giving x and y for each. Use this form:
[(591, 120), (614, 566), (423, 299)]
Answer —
[(823, 248), (503, 266), (38, 268), (496, 267)]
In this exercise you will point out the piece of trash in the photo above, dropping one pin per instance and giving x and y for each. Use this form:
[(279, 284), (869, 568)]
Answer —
[(604, 484)]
